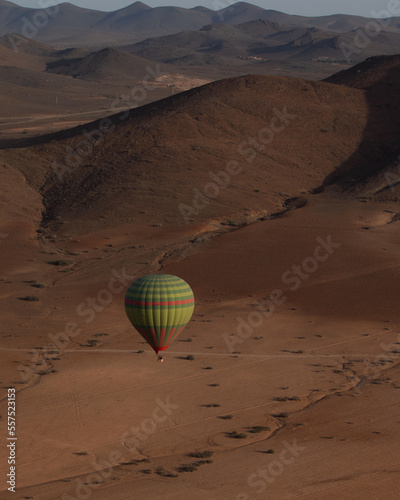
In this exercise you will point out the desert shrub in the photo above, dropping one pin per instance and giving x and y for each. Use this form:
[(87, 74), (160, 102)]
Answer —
[(202, 454), (97, 481), (160, 471), (258, 428), (226, 417), (190, 357), (29, 298), (92, 343), (39, 285), (187, 468), (237, 435), (62, 262)]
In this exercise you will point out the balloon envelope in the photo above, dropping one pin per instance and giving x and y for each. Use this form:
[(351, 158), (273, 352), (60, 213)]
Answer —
[(159, 306)]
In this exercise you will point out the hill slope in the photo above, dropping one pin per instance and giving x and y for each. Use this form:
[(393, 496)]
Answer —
[(379, 77), (106, 64), (285, 136)]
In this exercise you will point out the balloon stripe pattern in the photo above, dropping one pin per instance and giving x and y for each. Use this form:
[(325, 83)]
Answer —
[(159, 306)]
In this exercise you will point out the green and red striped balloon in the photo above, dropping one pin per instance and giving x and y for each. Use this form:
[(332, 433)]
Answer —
[(159, 306)]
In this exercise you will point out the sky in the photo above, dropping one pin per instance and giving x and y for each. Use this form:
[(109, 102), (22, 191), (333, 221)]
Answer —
[(367, 8)]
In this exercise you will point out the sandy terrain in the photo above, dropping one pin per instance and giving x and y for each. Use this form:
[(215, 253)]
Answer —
[(59, 110), (322, 347), (293, 391)]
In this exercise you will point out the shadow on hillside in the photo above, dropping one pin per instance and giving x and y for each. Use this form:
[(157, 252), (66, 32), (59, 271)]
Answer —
[(380, 77)]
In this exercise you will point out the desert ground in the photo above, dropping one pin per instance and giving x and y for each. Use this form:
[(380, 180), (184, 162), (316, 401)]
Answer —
[(277, 199), (318, 372)]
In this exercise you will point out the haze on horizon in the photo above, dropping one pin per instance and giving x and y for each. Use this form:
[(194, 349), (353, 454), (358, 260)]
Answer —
[(366, 8)]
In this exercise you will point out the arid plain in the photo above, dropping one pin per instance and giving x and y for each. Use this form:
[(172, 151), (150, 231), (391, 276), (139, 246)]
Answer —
[(277, 199)]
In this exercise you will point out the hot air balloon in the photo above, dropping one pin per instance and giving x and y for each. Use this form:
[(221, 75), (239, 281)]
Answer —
[(159, 306)]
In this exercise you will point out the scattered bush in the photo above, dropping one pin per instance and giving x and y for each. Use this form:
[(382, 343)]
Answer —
[(287, 398), (62, 262), (92, 343), (202, 454), (190, 357), (202, 462), (130, 462), (226, 417), (161, 471), (258, 428), (96, 482), (39, 285), (187, 468), (270, 451), (145, 471), (237, 435), (283, 414), (30, 298)]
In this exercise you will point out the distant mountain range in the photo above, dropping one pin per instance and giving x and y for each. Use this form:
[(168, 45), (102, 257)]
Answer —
[(260, 42), (66, 25)]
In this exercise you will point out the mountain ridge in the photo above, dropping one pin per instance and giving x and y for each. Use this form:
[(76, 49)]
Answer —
[(188, 139), (68, 24)]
